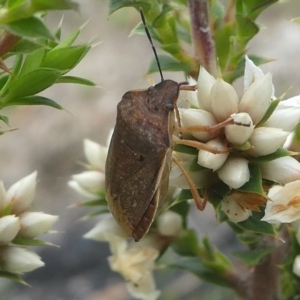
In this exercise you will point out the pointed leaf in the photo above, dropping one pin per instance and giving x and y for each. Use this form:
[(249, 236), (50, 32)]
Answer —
[(33, 82), (4, 119), (12, 276), (27, 46), (76, 80), (30, 242), (35, 100), (40, 5), (65, 59), (29, 27), (117, 4)]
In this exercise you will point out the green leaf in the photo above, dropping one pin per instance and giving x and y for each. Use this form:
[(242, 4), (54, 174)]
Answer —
[(254, 224), (65, 59), (40, 5), (96, 202), (4, 119), (253, 257), (195, 266), (29, 27), (117, 4), (68, 41), (33, 82), (182, 208), (254, 185), (269, 112), (186, 149), (187, 243), (33, 61), (246, 28), (13, 277), (3, 80), (30, 242), (168, 63), (25, 46), (280, 152), (102, 210), (35, 100), (76, 80)]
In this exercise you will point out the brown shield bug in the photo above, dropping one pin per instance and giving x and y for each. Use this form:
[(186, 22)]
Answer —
[(140, 154)]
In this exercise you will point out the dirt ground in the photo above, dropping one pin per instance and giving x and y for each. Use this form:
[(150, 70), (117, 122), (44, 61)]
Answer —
[(50, 142)]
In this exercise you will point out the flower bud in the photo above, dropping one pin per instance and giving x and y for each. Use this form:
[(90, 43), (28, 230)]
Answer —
[(95, 154), (211, 160), (20, 195), (9, 227), (81, 191), (2, 195), (223, 100), (286, 115), (205, 82), (267, 140), (91, 181), (234, 211), (235, 172), (256, 99), (238, 134), (34, 224), (19, 260), (169, 223), (296, 265), (199, 117), (282, 170)]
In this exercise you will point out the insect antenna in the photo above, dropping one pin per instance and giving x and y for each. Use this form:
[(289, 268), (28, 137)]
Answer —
[(151, 42)]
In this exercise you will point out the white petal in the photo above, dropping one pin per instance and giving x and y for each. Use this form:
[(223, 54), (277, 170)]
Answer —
[(252, 72), (223, 100), (267, 140), (284, 205), (9, 227), (211, 160), (296, 265), (34, 224), (91, 181), (20, 260), (235, 172), (205, 82), (238, 134), (235, 212), (282, 170), (20, 195), (169, 223), (188, 99), (81, 191), (198, 117), (286, 115), (95, 154), (257, 98)]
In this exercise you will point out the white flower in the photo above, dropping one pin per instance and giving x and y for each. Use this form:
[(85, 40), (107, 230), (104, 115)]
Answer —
[(223, 100), (238, 134), (234, 210), (19, 260), (169, 223), (95, 154), (211, 160), (286, 115), (266, 140), (296, 265), (257, 98), (198, 117), (20, 195), (90, 181), (252, 72), (9, 227), (205, 83), (282, 170), (284, 203), (135, 265), (235, 172), (34, 224)]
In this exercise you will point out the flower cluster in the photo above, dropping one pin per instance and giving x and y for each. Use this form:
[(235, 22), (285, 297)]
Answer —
[(18, 225), (238, 132)]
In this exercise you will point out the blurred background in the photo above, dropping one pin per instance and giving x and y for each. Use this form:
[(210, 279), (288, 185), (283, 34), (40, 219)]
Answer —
[(50, 141)]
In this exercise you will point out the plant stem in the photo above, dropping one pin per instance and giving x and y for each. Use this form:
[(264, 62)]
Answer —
[(204, 46)]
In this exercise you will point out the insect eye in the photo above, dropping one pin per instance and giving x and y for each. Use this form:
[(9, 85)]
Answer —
[(151, 88), (169, 106)]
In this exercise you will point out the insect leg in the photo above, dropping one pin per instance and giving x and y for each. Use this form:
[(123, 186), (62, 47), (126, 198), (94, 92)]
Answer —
[(201, 146), (200, 203)]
